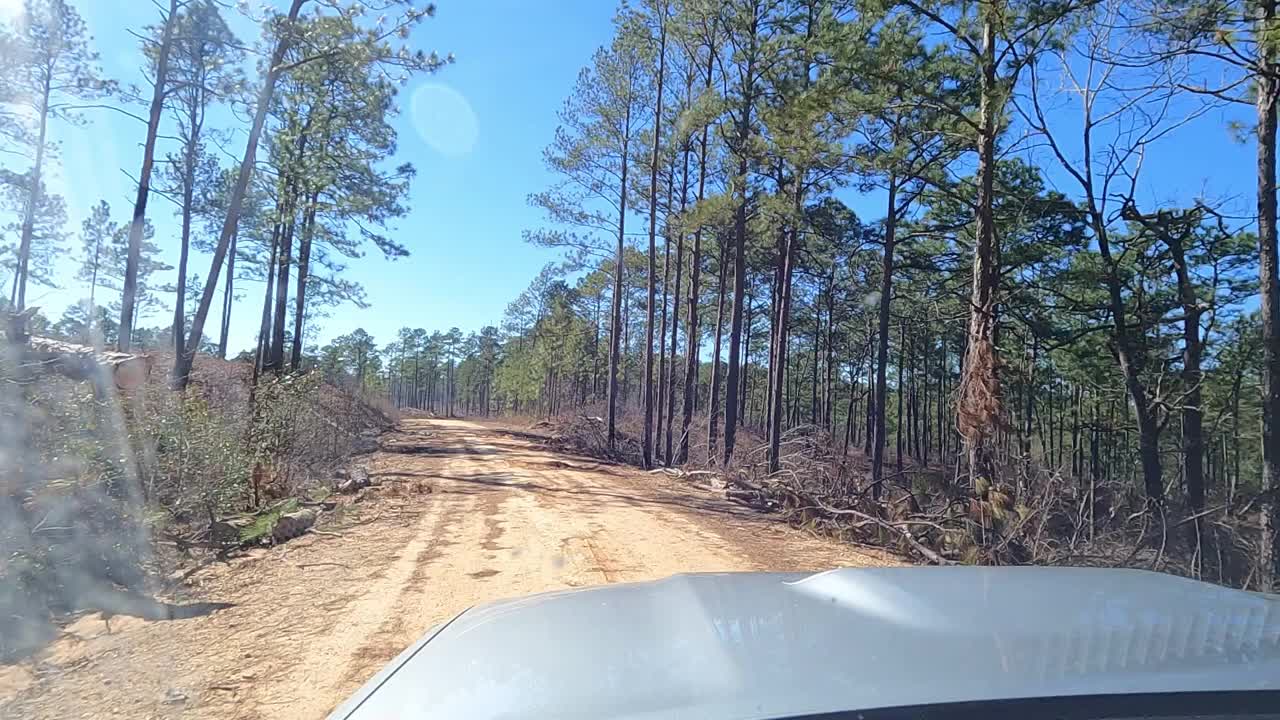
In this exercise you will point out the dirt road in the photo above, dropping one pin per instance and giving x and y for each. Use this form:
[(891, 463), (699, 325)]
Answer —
[(467, 514)]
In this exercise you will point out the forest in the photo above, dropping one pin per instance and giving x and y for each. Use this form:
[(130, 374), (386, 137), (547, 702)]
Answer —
[(893, 268), (1020, 321)]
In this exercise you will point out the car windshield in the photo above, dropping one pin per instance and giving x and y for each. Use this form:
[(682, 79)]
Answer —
[(733, 359)]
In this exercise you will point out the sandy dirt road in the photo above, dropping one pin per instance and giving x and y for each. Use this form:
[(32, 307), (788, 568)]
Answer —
[(467, 514)]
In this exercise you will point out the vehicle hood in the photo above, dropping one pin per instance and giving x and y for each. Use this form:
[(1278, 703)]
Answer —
[(769, 645)]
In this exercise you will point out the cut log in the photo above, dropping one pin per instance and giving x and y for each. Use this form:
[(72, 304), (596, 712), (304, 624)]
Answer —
[(293, 524), (81, 362)]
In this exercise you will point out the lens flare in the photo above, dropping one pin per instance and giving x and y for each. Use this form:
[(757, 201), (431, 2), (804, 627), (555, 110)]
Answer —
[(444, 119)]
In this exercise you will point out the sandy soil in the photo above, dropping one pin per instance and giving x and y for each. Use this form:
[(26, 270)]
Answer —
[(467, 514)]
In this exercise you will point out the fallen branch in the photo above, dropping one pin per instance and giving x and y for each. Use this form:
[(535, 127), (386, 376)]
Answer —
[(915, 544), (1200, 514)]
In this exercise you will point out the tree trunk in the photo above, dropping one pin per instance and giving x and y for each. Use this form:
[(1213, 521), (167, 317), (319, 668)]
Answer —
[(93, 289), (284, 258), (743, 418), (188, 198), (660, 380), (813, 367), (829, 397), (713, 398), (850, 410), (626, 348), (1235, 436), (913, 400), (900, 427), (778, 363), (940, 411), (1028, 421), (182, 363), (1268, 88), (228, 299), (1077, 452), (978, 410), (693, 337), (876, 430), (874, 433), (1192, 404), (129, 294), (675, 313), (664, 373), (1130, 354), (264, 330), (647, 442), (693, 352), (616, 329), (19, 296), (304, 266), (734, 369), (740, 243), (926, 420), (595, 348)]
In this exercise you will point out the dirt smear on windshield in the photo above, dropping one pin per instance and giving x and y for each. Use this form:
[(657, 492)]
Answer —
[(467, 514)]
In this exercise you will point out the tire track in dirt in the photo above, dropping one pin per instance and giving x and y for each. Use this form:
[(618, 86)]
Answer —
[(329, 658)]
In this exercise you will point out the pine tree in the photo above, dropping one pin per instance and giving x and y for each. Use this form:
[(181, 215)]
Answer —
[(97, 232), (903, 146), (159, 89), (747, 29), (600, 126), (997, 40), (47, 232), (658, 12)]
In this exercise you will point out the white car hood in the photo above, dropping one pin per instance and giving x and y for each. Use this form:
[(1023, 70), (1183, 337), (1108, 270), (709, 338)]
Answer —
[(767, 645)]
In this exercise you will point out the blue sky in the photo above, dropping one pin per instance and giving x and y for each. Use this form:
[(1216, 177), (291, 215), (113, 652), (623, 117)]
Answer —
[(475, 132)]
